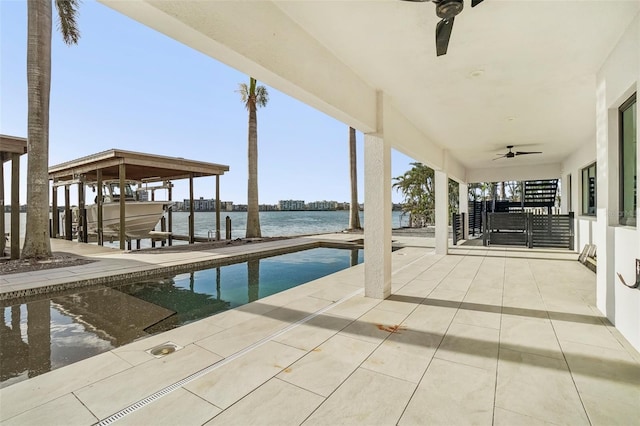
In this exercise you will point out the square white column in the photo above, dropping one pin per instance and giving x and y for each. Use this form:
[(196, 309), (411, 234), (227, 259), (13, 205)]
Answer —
[(442, 212), (565, 194), (377, 217), (606, 202), (463, 206)]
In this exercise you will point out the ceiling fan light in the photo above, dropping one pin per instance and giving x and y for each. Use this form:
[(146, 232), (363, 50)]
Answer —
[(447, 9)]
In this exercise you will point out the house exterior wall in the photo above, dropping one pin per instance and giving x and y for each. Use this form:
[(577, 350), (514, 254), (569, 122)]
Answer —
[(573, 165), (618, 246)]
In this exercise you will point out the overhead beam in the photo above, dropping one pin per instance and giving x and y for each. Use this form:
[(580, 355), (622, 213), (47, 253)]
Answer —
[(501, 174), (404, 136), (259, 39)]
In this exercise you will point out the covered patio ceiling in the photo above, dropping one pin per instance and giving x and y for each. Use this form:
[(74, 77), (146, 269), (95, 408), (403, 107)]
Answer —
[(516, 73)]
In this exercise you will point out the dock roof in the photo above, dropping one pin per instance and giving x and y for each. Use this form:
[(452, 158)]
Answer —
[(11, 145), (139, 166)]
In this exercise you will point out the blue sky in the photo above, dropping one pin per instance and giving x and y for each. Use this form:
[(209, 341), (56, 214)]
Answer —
[(129, 87)]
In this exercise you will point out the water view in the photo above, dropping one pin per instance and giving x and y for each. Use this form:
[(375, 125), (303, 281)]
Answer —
[(272, 224), (50, 333)]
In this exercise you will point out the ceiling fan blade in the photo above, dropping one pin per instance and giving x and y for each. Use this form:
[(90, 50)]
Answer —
[(525, 153), (474, 3), (443, 34), (501, 156)]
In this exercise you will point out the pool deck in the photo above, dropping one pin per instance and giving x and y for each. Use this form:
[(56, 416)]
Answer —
[(500, 336)]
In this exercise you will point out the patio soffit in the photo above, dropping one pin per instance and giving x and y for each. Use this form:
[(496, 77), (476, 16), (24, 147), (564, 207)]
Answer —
[(516, 73)]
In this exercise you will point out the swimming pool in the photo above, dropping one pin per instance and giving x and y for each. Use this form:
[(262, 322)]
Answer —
[(50, 333)]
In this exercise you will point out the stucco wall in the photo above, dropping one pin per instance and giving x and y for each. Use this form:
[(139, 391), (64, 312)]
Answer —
[(583, 233), (618, 246), (573, 165)]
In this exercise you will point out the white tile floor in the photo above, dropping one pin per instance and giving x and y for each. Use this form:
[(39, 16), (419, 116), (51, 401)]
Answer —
[(476, 337)]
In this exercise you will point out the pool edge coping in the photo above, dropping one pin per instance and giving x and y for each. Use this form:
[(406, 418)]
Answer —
[(12, 296)]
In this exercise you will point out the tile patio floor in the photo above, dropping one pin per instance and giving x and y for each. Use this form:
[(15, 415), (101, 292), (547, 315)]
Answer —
[(499, 336)]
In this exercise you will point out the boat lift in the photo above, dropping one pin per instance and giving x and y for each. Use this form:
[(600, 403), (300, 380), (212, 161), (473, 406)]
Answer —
[(120, 165)]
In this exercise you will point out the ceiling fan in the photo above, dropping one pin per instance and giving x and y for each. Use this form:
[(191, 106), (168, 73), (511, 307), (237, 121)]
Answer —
[(512, 154), (447, 10)]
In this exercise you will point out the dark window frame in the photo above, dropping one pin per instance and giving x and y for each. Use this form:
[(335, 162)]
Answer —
[(625, 220), (587, 212)]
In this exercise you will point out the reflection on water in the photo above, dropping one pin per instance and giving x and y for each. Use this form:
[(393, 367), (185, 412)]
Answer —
[(33, 356), (39, 336)]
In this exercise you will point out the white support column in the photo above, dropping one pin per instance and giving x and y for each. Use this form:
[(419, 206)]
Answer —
[(606, 203), (564, 194), (377, 217), (442, 212), (463, 207)]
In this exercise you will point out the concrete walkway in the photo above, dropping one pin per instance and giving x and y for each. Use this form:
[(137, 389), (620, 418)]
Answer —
[(499, 336)]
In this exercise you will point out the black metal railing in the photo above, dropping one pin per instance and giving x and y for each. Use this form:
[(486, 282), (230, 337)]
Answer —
[(457, 225), (528, 229)]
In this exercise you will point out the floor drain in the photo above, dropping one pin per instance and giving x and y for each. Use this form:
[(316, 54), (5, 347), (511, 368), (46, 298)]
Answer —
[(163, 349)]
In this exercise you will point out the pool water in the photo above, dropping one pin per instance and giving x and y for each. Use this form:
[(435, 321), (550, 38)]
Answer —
[(50, 333)]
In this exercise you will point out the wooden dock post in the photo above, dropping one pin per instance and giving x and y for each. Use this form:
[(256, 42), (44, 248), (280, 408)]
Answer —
[(122, 174), (11, 148), (2, 237), (54, 211), (217, 207), (99, 201), (191, 212), (15, 207), (81, 212), (163, 228), (170, 215), (67, 214)]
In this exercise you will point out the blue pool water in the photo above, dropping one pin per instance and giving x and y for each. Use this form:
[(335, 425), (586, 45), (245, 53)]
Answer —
[(202, 293), (46, 334)]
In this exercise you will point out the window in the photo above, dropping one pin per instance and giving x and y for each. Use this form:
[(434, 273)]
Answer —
[(589, 190), (628, 162), (569, 194)]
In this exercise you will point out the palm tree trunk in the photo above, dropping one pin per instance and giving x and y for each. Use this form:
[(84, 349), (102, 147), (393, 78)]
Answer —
[(37, 243), (253, 215), (354, 208)]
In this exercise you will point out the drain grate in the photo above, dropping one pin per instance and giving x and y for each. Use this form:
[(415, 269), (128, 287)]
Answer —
[(163, 349), (138, 405)]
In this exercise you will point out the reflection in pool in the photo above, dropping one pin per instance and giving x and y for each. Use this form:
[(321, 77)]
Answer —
[(43, 335)]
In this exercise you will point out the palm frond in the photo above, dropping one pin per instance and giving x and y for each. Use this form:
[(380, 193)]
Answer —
[(67, 24), (243, 90), (262, 96)]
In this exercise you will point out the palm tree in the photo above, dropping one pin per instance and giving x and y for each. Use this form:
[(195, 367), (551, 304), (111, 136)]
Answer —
[(39, 15), (416, 185), (354, 207), (253, 96), (454, 197)]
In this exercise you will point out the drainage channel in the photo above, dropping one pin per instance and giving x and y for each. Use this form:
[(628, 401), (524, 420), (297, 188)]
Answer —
[(167, 390), (163, 392)]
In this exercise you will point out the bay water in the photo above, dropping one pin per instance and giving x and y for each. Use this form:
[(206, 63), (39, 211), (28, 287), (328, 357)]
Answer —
[(272, 223)]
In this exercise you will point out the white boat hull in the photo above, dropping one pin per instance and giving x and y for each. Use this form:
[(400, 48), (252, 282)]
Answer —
[(141, 217)]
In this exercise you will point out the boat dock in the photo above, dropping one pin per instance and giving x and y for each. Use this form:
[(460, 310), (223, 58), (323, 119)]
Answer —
[(113, 213)]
